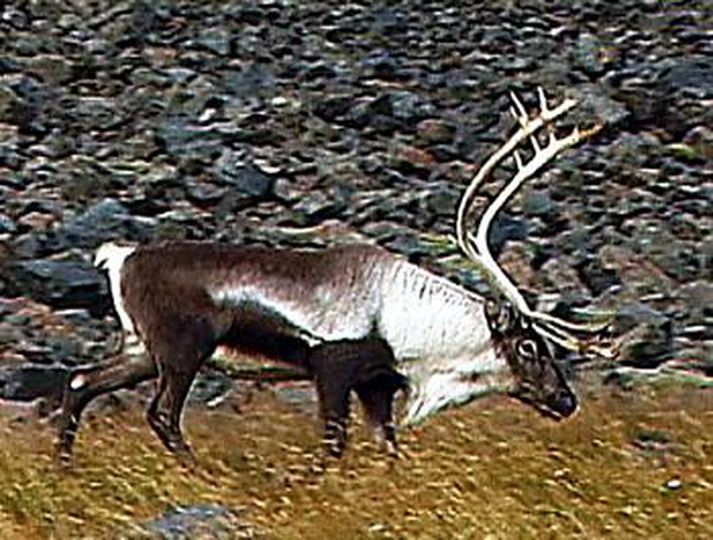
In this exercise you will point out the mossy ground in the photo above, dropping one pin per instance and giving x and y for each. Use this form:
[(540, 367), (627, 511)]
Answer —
[(493, 469)]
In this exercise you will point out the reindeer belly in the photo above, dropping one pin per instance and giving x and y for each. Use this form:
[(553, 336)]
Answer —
[(257, 329)]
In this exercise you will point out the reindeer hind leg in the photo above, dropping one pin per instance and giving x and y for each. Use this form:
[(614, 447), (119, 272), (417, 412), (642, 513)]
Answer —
[(87, 382)]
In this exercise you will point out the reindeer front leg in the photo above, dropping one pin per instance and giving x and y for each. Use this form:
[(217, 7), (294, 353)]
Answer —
[(377, 397), (366, 367), (334, 377)]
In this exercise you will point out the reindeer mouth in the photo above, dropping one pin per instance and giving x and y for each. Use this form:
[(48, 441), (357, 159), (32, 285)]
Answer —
[(557, 408)]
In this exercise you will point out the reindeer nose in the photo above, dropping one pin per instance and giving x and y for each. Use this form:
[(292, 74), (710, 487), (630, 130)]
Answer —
[(566, 404)]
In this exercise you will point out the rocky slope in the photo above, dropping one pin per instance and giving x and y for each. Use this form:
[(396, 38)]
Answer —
[(311, 123)]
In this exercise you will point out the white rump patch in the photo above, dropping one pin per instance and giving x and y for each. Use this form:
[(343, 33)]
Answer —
[(111, 257)]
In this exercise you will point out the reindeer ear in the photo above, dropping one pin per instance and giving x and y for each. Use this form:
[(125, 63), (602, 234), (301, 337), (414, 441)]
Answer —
[(501, 317)]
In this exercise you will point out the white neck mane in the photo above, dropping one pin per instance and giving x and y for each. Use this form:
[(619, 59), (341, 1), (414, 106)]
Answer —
[(440, 337)]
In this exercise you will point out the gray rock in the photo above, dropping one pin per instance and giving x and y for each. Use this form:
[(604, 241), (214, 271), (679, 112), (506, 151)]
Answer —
[(435, 131), (537, 203), (247, 182), (206, 521), (106, 220), (50, 68), (598, 104), (506, 228), (216, 40), (7, 225), (649, 336), (441, 201), (318, 206), (301, 395), (332, 107), (390, 111), (29, 381), (60, 284), (588, 55), (181, 138), (254, 80), (596, 277), (382, 65), (9, 103), (204, 194), (97, 113), (698, 297), (692, 76)]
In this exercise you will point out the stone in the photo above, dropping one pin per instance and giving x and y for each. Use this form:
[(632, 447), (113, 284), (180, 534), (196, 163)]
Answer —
[(208, 521), (597, 104), (60, 284), (537, 203), (389, 111), (50, 68), (180, 138), (692, 75), (215, 40), (7, 225), (248, 180), (434, 131), (596, 277), (319, 206), (441, 201), (106, 220), (29, 381), (649, 336), (300, 395), (9, 103), (255, 79), (700, 140), (588, 55), (505, 228)]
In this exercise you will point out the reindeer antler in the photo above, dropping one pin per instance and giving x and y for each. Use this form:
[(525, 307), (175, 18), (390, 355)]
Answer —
[(477, 249)]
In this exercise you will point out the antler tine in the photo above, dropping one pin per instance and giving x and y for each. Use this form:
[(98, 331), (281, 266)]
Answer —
[(531, 126), (544, 108), (481, 239), (571, 343), (521, 115), (477, 249)]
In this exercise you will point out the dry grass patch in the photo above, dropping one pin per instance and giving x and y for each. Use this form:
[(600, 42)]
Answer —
[(629, 465)]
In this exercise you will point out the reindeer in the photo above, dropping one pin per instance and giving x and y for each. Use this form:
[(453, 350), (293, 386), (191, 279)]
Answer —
[(354, 318)]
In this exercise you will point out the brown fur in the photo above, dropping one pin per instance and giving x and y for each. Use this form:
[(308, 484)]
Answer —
[(181, 326)]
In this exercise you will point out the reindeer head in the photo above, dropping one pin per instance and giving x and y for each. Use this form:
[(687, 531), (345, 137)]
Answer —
[(538, 380), (520, 334)]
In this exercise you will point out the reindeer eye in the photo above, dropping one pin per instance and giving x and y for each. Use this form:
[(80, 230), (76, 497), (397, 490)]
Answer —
[(527, 348)]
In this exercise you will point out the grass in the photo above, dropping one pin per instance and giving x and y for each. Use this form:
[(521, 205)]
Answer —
[(492, 470)]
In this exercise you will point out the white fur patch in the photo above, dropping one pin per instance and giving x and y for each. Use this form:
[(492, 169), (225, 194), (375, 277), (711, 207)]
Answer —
[(433, 390), (320, 318), (111, 257), (423, 315), (78, 382), (133, 346)]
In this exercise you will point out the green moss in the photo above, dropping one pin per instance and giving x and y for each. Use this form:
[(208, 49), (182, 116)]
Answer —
[(683, 152)]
